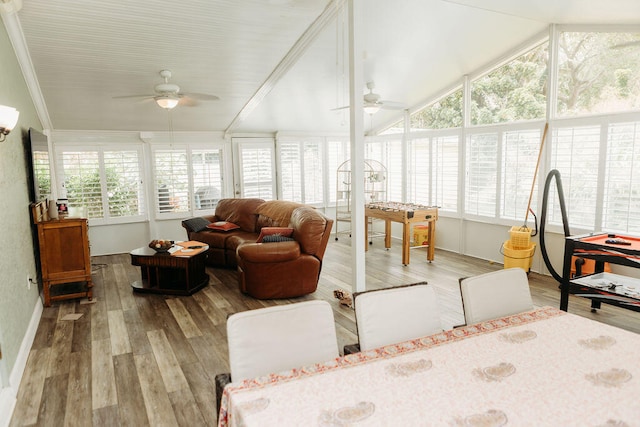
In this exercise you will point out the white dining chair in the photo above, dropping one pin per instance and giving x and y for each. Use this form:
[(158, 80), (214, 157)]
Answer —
[(275, 339), (392, 315), (495, 294)]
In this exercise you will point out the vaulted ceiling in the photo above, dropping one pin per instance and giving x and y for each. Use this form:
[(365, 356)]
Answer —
[(276, 65)]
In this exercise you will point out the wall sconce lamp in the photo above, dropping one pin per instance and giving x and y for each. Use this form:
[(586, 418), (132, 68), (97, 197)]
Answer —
[(166, 101), (8, 120)]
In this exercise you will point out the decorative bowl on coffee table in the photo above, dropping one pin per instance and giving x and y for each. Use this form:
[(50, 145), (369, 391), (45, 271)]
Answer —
[(160, 245)]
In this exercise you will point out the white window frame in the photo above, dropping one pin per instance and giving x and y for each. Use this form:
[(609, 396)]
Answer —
[(100, 149), (188, 148)]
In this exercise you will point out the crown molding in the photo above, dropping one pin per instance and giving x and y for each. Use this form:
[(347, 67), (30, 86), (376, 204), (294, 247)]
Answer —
[(8, 10)]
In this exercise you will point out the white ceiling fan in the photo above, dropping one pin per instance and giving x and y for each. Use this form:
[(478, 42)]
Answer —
[(167, 95), (372, 102)]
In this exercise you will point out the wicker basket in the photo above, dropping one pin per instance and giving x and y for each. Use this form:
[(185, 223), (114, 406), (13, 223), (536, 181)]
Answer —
[(520, 237)]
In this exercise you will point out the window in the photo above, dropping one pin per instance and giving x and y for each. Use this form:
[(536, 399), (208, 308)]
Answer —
[(481, 177), (516, 91), (389, 153), (520, 151), (442, 114), (187, 179), (171, 171), (107, 183), (81, 170), (598, 73), (207, 178), (444, 172), (575, 154), (302, 170), (338, 151), (621, 211), (419, 169), (42, 174), (123, 182), (257, 166)]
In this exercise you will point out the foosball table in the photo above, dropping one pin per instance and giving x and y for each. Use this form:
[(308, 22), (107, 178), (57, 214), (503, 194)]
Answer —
[(406, 214)]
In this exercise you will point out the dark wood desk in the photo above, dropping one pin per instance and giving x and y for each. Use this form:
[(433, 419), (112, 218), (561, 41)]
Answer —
[(164, 273), (406, 214)]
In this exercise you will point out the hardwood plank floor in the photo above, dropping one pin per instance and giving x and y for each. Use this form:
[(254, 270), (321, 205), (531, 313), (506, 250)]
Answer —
[(143, 359)]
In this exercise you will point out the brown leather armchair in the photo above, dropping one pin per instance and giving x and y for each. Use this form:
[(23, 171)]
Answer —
[(290, 268)]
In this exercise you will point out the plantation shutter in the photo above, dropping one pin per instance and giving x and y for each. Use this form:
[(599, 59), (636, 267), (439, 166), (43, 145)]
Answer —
[(257, 170), (124, 184), (575, 154), (82, 181), (206, 166), (291, 164), (313, 174), (621, 210), (171, 172), (519, 157), (481, 178), (444, 173), (42, 173), (337, 153), (419, 168)]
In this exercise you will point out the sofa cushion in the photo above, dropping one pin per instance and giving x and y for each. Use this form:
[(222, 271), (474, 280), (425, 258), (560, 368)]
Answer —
[(276, 213), (275, 238), (274, 231), (222, 226), (196, 224), (239, 211)]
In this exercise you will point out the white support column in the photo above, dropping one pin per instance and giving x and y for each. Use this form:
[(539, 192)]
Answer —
[(356, 83)]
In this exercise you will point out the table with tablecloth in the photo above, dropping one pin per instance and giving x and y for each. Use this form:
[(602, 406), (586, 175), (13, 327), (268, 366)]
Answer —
[(543, 367)]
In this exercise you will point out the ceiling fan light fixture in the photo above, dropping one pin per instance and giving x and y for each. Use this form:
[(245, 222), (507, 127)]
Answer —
[(166, 101), (371, 108)]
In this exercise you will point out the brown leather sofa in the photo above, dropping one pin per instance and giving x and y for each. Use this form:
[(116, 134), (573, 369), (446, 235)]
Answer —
[(266, 270)]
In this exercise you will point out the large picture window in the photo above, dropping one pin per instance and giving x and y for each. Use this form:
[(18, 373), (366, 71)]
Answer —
[(441, 114), (598, 73), (514, 92)]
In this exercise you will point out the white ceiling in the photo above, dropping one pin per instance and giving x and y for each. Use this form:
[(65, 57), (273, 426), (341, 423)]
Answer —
[(86, 52)]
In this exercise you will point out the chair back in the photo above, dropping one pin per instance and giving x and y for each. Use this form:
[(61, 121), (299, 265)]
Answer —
[(496, 294), (392, 315), (275, 339)]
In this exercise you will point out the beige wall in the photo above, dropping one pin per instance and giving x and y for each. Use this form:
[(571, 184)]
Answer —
[(17, 260)]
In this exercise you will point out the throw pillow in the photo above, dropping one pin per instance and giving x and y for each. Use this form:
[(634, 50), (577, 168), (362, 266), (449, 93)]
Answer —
[(270, 231), (274, 238), (195, 224), (222, 226)]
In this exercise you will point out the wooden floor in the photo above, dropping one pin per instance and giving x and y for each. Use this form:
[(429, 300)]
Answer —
[(149, 360)]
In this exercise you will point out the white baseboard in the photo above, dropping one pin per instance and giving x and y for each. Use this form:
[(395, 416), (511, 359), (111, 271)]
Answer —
[(7, 403), (9, 394)]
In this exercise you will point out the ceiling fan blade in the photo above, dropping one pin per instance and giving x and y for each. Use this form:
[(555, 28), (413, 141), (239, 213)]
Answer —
[(201, 96), (133, 96), (339, 108), (392, 105), (187, 101)]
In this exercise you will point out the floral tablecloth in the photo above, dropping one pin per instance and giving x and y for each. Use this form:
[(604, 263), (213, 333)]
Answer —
[(540, 368)]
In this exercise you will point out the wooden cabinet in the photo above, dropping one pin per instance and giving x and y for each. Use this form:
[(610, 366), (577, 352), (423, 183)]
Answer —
[(64, 259)]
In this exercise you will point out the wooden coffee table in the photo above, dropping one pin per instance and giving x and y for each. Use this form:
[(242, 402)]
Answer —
[(164, 273)]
